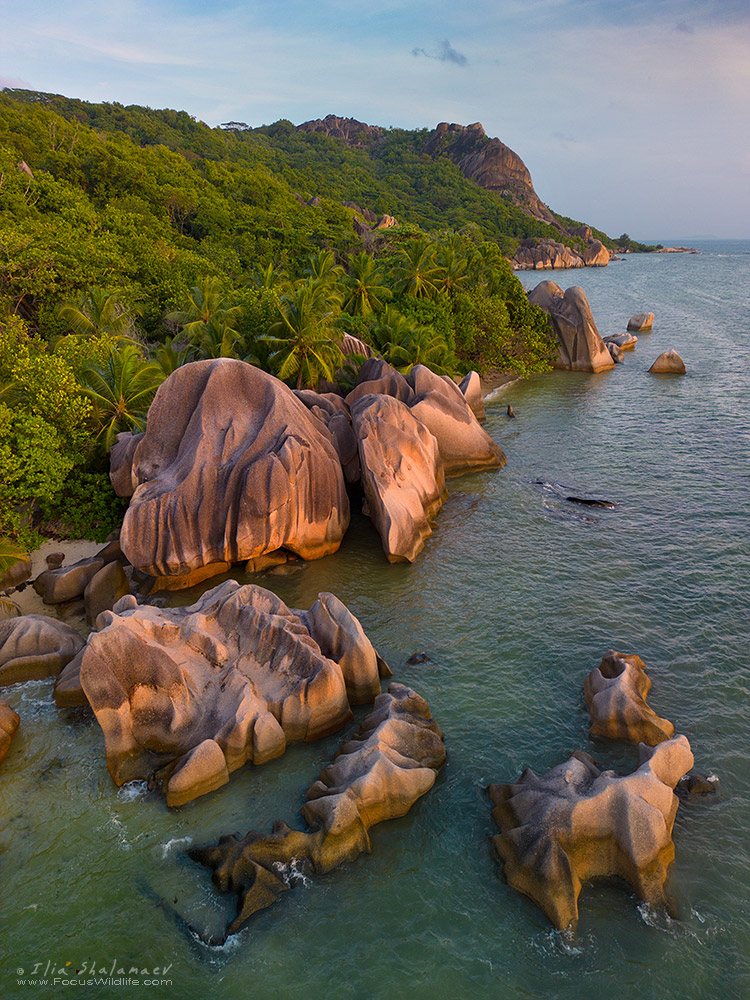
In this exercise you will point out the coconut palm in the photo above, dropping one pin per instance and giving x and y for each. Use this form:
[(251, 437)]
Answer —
[(169, 357), (364, 295), (121, 389), (422, 346), (302, 341), (208, 320), (98, 312), (416, 270), (454, 269)]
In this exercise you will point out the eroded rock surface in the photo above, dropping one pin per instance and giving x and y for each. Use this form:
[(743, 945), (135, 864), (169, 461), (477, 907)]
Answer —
[(576, 822), (378, 775), (402, 473), (616, 693), (56, 586), (580, 347), (471, 387), (34, 646), (238, 669), (231, 466), (9, 722)]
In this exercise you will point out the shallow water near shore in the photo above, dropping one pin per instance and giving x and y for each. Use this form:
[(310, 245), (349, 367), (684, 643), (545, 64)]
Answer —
[(515, 598)]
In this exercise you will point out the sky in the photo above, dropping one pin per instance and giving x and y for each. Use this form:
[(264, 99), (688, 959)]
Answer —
[(632, 115)]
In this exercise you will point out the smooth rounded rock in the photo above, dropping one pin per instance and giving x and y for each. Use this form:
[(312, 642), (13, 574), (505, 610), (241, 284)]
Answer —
[(580, 346), (641, 322), (9, 722), (34, 646), (668, 363)]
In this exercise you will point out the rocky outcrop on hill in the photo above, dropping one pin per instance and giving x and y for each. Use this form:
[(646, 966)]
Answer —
[(616, 693), (490, 163), (9, 722), (231, 466), (576, 822), (187, 695), (580, 347), (349, 130), (34, 646), (378, 775)]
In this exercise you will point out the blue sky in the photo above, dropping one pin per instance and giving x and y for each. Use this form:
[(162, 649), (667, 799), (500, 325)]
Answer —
[(632, 115)]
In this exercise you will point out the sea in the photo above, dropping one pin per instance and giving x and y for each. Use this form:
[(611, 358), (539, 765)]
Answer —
[(516, 597)]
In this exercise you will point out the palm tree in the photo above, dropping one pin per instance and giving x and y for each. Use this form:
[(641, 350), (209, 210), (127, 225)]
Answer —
[(322, 267), (121, 390), (98, 312), (454, 269), (208, 320), (169, 357), (269, 277), (363, 295), (301, 340), (422, 347), (416, 270)]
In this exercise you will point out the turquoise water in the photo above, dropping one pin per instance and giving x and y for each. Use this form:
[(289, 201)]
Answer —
[(515, 598)]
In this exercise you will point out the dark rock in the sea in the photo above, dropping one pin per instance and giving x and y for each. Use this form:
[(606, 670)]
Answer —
[(576, 822), (187, 695), (231, 466), (56, 586), (268, 561), (668, 363), (416, 658), (16, 575), (588, 502), (9, 722), (378, 775), (695, 784), (402, 473), (580, 348), (616, 693), (510, 411), (641, 322), (596, 254), (34, 646), (104, 590)]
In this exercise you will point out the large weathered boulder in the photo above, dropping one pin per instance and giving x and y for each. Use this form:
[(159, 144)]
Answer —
[(17, 574), (333, 411), (668, 363), (9, 722), (471, 387), (378, 775), (596, 254), (616, 693), (580, 347), (55, 586), (104, 590), (68, 692), (378, 377), (402, 473), (231, 466), (576, 822), (237, 668), (34, 646), (440, 405), (641, 322)]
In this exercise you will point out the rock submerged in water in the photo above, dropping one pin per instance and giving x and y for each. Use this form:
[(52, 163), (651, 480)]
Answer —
[(580, 347), (9, 722), (576, 822), (33, 647), (238, 669), (668, 363), (625, 341), (616, 693), (377, 775), (231, 466)]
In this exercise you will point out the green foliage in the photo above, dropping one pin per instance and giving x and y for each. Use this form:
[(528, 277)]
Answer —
[(87, 508), (304, 348), (120, 390)]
